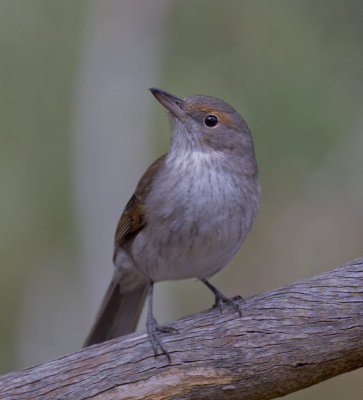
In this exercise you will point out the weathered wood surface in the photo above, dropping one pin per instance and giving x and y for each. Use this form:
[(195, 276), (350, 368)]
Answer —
[(288, 338)]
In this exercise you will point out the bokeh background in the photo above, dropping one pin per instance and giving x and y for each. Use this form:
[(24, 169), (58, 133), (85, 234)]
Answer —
[(78, 127)]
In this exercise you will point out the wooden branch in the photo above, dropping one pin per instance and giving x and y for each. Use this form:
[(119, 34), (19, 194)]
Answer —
[(287, 339)]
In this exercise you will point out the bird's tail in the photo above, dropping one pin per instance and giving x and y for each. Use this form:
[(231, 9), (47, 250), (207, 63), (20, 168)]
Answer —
[(118, 314)]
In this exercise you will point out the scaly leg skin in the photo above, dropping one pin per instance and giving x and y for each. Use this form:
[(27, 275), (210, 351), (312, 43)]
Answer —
[(152, 327), (221, 298)]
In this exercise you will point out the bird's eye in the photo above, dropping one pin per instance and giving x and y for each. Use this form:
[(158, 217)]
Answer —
[(211, 121)]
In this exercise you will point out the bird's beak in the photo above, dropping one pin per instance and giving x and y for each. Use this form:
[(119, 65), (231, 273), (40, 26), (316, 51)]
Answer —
[(170, 102)]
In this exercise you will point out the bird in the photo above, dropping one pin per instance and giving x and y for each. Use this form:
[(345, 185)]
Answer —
[(189, 215)]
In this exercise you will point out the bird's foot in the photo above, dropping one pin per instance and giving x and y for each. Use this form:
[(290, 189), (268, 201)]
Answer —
[(221, 299), (153, 331)]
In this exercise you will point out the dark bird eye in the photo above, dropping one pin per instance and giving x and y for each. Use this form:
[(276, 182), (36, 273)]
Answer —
[(211, 121)]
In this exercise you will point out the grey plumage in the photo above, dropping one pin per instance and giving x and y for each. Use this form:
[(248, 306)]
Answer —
[(190, 212)]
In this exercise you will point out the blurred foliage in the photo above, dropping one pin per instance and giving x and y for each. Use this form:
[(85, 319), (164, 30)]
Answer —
[(38, 49)]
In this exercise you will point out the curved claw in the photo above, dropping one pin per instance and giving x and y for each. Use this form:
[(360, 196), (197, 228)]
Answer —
[(167, 329), (153, 330), (221, 299)]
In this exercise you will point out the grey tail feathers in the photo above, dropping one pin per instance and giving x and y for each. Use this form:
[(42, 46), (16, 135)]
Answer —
[(118, 314)]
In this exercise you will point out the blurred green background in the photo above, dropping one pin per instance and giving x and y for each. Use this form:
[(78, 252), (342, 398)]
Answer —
[(78, 127)]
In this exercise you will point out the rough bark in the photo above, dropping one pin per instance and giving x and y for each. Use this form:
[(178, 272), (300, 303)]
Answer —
[(287, 339)]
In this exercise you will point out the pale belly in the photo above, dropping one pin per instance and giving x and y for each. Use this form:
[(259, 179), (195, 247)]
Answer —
[(185, 253), (195, 225), (192, 242)]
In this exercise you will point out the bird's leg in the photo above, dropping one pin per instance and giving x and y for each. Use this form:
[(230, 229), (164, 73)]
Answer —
[(153, 328), (220, 298)]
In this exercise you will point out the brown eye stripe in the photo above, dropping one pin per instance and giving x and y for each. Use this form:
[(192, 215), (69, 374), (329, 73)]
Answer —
[(224, 118)]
